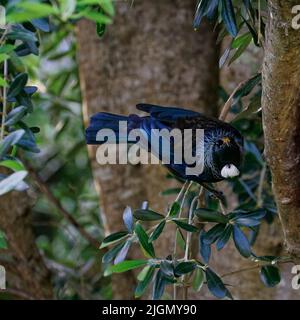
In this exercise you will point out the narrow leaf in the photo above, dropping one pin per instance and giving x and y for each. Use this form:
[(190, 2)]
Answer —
[(127, 265), (144, 241), (157, 232), (241, 242), (147, 215), (215, 284), (185, 226), (208, 215), (270, 275), (143, 284)]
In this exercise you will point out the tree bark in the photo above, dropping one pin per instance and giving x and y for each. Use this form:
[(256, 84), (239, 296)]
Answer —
[(27, 276), (281, 116), (150, 54)]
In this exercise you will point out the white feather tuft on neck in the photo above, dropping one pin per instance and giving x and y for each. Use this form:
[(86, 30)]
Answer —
[(229, 171)]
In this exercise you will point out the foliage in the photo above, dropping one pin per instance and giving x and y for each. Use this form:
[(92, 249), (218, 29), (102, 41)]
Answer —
[(34, 96), (244, 22), (41, 110)]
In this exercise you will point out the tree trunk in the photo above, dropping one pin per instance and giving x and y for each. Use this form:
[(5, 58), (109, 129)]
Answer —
[(27, 276), (150, 54), (281, 116)]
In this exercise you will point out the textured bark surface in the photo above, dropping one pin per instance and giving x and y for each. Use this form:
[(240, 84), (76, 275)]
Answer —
[(281, 116), (26, 271), (150, 54)]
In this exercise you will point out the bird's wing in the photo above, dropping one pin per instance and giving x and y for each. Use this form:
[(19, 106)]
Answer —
[(179, 118), (168, 114)]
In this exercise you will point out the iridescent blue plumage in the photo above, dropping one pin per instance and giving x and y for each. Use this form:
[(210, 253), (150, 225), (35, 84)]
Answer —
[(222, 143)]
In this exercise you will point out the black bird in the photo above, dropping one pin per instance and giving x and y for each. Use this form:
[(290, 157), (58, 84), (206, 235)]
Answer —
[(223, 144)]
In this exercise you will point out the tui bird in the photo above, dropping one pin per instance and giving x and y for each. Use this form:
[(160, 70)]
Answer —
[(223, 144)]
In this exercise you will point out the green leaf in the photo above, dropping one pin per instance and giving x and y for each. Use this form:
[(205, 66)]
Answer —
[(107, 6), (100, 29), (10, 183), (270, 275), (247, 222), (201, 11), (241, 242), (3, 56), (256, 214), (185, 226), (224, 237), (174, 210), (144, 241), (111, 254), (157, 231), (253, 106), (240, 50), (3, 243), (30, 10), (12, 164), (97, 17), (228, 16), (143, 284), (112, 238), (214, 233), (159, 286), (241, 40), (147, 215), (3, 82), (198, 280), (126, 266), (166, 267), (184, 267), (10, 140), (180, 239), (121, 255), (247, 87), (204, 248), (17, 85), (15, 115), (215, 284), (224, 57), (6, 48), (21, 34), (142, 274), (209, 215), (128, 219), (67, 7)]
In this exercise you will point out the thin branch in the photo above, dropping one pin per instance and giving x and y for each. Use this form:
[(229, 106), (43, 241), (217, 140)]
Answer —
[(257, 266), (187, 246), (48, 193), (226, 108), (4, 102), (184, 191)]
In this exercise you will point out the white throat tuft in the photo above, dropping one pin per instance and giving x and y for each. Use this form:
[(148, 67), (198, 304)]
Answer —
[(229, 171)]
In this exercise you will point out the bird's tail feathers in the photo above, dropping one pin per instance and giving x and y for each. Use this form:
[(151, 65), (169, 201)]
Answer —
[(104, 120)]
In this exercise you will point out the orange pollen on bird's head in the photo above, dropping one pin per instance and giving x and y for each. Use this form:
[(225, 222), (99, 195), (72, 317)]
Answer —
[(226, 140)]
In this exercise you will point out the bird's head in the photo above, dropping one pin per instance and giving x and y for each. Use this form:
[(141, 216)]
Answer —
[(226, 153)]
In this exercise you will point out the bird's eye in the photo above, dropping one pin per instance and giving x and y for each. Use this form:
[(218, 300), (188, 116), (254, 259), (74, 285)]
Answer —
[(219, 142)]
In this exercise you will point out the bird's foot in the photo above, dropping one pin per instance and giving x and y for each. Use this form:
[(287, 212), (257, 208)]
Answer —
[(215, 193)]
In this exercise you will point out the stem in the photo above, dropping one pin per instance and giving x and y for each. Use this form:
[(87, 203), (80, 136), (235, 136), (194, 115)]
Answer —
[(187, 246), (184, 190), (4, 102), (67, 215), (226, 108)]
